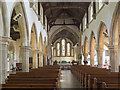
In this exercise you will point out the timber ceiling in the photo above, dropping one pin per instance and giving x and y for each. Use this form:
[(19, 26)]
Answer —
[(74, 11), (65, 34)]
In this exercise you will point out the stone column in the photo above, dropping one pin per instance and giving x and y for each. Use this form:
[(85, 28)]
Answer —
[(35, 58), (40, 59), (114, 58), (85, 57), (100, 57), (25, 57), (0, 61), (92, 58), (3, 58)]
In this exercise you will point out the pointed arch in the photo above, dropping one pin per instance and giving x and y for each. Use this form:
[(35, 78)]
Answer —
[(86, 46), (115, 39), (114, 26), (40, 42), (40, 50), (23, 25), (102, 38), (44, 52), (34, 37), (64, 28), (92, 49), (92, 39), (100, 35)]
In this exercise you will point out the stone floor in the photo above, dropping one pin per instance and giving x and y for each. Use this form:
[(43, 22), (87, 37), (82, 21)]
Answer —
[(68, 80)]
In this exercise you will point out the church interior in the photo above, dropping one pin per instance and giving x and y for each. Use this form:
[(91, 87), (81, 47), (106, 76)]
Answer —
[(59, 45)]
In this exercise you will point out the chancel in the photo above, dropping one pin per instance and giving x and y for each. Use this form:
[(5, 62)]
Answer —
[(60, 44)]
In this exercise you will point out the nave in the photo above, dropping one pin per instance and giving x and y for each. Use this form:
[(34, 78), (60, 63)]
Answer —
[(59, 44), (68, 80)]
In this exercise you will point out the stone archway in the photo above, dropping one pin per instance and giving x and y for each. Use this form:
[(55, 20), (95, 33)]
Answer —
[(41, 50), (34, 50), (45, 53), (61, 29), (18, 8), (102, 39), (86, 49), (115, 40), (93, 49)]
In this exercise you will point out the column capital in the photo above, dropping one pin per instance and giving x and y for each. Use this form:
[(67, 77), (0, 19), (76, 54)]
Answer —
[(91, 50), (99, 49), (85, 54), (5, 39), (26, 47), (113, 47), (36, 50)]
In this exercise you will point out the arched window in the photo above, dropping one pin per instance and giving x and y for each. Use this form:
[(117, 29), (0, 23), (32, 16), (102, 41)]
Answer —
[(58, 49), (68, 49), (63, 47)]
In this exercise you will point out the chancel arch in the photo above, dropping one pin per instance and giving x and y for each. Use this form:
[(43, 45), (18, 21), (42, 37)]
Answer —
[(64, 44), (62, 30)]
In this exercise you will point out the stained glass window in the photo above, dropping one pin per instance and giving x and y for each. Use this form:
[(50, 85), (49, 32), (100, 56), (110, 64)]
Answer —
[(58, 49), (63, 47), (68, 49)]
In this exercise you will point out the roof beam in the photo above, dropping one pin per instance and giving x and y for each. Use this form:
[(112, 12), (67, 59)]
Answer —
[(63, 25), (65, 7), (54, 18)]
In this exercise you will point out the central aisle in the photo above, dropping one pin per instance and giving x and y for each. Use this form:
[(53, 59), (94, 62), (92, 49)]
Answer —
[(68, 80)]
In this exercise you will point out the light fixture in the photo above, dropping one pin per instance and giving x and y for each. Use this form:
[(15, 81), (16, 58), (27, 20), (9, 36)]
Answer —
[(16, 17)]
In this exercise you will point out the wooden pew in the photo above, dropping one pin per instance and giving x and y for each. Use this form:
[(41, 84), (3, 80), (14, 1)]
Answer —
[(110, 85), (45, 77), (29, 86), (100, 75), (98, 82), (86, 74)]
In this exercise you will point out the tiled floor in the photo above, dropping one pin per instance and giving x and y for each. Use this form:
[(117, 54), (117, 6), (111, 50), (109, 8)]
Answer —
[(68, 80)]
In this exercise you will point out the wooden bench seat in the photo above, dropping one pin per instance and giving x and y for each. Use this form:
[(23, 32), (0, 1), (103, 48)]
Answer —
[(110, 85), (29, 79), (41, 78), (91, 78), (98, 81), (86, 74), (28, 85)]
